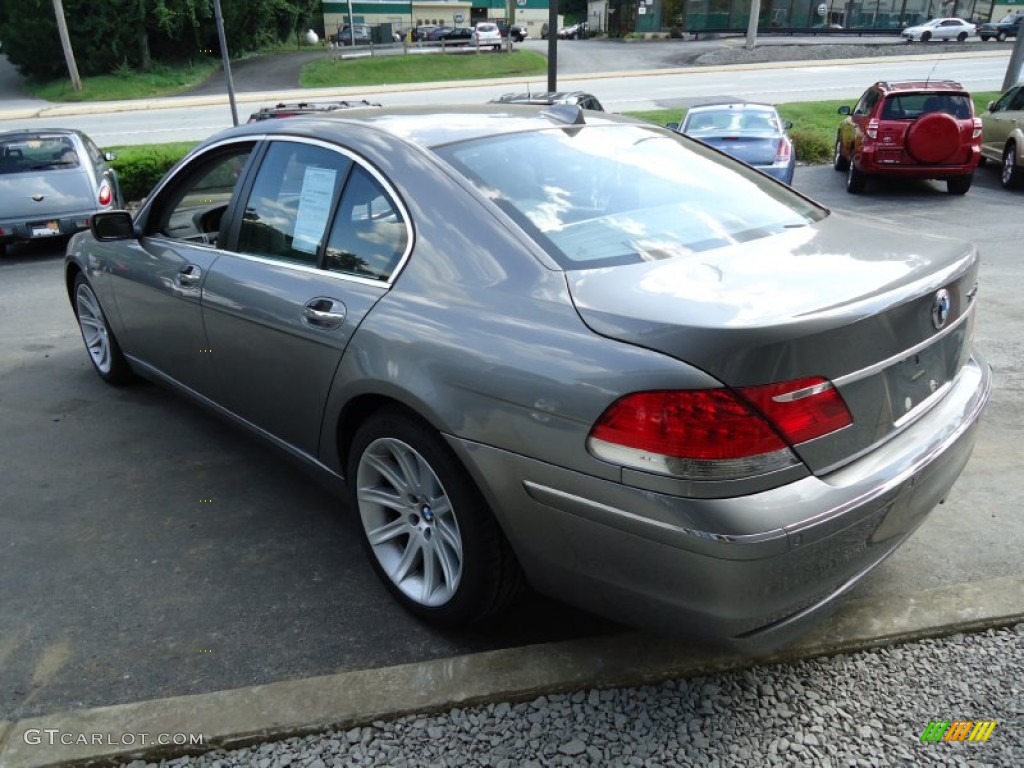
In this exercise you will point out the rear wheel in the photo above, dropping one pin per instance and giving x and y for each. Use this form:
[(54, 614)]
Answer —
[(1010, 175), (856, 180), (961, 37), (839, 162), (428, 530), (100, 342), (958, 185)]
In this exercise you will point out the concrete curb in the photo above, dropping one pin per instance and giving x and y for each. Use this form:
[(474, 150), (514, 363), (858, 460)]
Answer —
[(235, 718), (53, 109)]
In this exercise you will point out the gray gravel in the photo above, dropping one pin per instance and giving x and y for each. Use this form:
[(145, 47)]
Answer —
[(864, 709)]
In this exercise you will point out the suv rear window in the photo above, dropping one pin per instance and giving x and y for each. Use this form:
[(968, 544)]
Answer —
[(909, 106)]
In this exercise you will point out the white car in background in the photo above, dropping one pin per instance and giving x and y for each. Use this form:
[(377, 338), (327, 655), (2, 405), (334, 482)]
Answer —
[(487, 33), (940, 29)]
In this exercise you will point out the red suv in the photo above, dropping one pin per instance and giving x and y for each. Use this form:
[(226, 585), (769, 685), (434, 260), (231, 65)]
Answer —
[(916, 130)]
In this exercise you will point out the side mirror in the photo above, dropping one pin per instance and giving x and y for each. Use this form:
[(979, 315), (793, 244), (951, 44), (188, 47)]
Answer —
[(990, 105), (845, 110), (787, 124), (673, 126), (109, 156), (112, 225)]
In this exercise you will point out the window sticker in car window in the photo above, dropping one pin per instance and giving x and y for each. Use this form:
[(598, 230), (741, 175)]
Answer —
[(314, 208)]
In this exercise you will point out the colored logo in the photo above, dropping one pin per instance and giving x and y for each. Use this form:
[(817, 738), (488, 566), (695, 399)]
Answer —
[(958, 730)]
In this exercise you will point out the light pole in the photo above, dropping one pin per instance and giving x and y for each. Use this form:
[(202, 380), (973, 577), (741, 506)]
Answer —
[(219, 17)]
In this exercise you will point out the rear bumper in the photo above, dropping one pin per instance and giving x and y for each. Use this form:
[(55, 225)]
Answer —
[(752, 573), (873, 162), (39, 228)]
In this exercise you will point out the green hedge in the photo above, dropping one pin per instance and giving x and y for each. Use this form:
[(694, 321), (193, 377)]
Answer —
[(140, 167)]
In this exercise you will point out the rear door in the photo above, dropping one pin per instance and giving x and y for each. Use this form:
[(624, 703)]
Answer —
[(318, 239)]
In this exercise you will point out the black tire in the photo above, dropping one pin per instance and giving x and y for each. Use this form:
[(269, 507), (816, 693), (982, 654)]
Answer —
[(1000, 37), (926, 36), (984, 38), (958, 185), (3, 249), (961, 37), (856, 180), (400, 471), (1010, 174), (839, 161), (104, 352)]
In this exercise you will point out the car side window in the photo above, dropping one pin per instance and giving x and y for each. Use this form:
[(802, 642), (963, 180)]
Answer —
[(867, 103), (1017, 105), (369, 235), (290, 204), (192, 207)]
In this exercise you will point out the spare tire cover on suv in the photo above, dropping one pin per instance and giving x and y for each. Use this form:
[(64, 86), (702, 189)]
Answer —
[(933, 138)]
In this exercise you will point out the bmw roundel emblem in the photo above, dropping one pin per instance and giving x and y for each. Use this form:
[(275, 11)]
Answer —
[(942, 305)]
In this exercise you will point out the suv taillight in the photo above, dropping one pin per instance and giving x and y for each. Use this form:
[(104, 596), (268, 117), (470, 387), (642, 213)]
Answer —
[(105, 195), (977, 128), (872, 129), (717, 434)]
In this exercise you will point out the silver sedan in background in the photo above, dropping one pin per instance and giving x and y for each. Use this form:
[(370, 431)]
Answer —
[(633, 373), (51, 182)]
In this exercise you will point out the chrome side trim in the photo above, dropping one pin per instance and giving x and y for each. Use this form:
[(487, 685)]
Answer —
[(147, 370), (767, 543)]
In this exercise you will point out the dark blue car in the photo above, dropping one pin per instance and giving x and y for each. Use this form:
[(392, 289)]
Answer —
[(753, 133)]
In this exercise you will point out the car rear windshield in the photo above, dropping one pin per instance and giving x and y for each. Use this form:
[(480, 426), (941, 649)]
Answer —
[(909, 106), (37, 153), (604, 195), (731, 121)]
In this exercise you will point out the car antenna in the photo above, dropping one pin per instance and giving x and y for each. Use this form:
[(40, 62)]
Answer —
[(929, 78)]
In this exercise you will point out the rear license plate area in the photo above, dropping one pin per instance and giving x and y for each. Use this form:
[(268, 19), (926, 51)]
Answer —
[(44, 228)]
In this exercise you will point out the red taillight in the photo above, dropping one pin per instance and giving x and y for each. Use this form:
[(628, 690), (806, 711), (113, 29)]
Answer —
[(976, 134), (783, 152), (801, 409), (106, 195), (716, 434), (872, 129)]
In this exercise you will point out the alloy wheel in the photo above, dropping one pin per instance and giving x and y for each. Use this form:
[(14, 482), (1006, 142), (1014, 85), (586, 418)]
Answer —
[(94, 328), (409, 522)]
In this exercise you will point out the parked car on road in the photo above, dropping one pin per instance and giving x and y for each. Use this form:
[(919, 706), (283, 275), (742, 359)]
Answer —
[(356, 34), (518, 32), (439, 33), (580, 99), (751, 132), (1008, 26), (912, 130), (486, 33), (1002, 128), (555, 345), (940, 29), (458, 35), (52, 181)]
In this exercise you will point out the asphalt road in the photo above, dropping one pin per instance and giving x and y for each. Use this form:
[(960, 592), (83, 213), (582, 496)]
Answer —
[(148, 550)]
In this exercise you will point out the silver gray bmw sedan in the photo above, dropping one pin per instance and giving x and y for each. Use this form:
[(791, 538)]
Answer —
[(541, 346)]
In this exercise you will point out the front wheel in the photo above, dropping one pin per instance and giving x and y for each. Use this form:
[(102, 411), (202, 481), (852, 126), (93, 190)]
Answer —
[(958, 185), (1000, 37), (100, 342), (926, 36), (1010, 174), (856, 180), (839, 162), (430, 534)]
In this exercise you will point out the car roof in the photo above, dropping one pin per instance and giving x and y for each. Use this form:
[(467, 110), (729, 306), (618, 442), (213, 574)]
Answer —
[(920, 85), (432, 126), (14, 132), (542, 97), (738, 105)]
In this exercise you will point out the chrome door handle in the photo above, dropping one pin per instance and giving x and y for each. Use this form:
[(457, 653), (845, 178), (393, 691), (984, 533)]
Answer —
[(189, 276), (324, 313)]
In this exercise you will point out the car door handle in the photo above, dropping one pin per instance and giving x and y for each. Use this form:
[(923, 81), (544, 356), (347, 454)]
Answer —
[(189, 276), (324, 313)]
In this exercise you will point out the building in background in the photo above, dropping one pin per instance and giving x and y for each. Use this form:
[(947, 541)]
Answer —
[(403, 16)]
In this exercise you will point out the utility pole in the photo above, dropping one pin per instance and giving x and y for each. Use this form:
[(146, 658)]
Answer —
[(755, 11), (226, 59), (65, 41), (1016, 60), (552, 45)]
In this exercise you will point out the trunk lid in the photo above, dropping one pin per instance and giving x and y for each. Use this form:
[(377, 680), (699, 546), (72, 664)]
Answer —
[(835, 299), (62, 190), (754, 150)]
